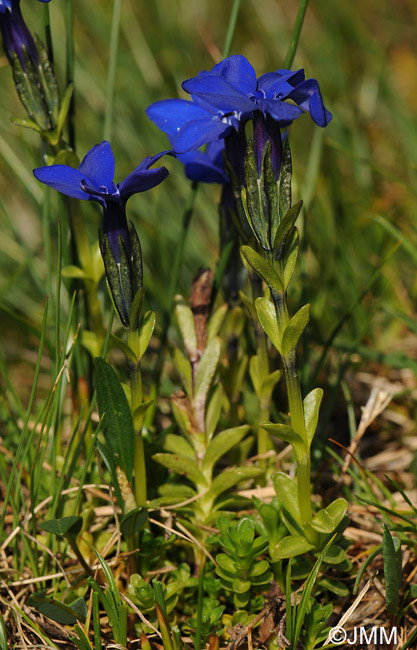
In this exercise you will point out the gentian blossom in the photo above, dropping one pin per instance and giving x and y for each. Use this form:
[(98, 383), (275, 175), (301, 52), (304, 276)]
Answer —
[(16, 36), (229, 95), (93, 181), (205, 166)]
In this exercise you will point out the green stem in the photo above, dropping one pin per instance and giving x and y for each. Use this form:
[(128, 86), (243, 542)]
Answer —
[(197, 645), (295, 403), (69, 70), (111, 72), (135, 402), (71, 541), (303, 487), (231, 28), (295, 36), (263, 440)]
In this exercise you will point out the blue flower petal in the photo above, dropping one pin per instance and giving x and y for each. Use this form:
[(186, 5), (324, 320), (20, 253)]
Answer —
[(207, 166), (236, 71), (280, 82), (198, 132), (151, 160), (141, 180), (98, 166), (64, 179), (280, 111), (5, 4), (219, 93), (308, 96), (171, 114)]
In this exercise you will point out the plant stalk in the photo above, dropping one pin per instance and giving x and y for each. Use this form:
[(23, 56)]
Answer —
[(296, 408), (135, 402)]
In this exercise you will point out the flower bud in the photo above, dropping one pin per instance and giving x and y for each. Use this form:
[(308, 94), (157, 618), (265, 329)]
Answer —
[(32, 71), (122, 255)]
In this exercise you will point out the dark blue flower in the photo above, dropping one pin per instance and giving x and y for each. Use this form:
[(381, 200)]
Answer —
[(228, 96), (205, 166), (93, 178), (119, 243), (16, 36)]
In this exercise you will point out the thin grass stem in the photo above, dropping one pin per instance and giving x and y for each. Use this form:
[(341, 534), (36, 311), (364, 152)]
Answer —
[(231, 28), (111, 70), (69, 69), (295, 36)]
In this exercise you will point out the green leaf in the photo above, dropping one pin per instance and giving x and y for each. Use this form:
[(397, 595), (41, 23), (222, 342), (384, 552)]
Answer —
[(213, 410), (337, 510), (206, 369), (269, 383), (26, 123), (63, 526), (283, 432), (226, 563), (287, 224), (216, 321), (259, 568), (179, 445), (182, 465), (63, 111), (248, 304), (221, 444), (183, 367), (391, 547), (327, 519), (133, 522), (245, 534), (286, 491), (72, 271), (335, 555), (59, 612), (127, 351), (142, 408), (289, 259), (117, 420), (136, 308), (322, 522), (3, 634), (285, 179), (91, 342), (230, 478), (291, 546), (311, 404), (186, 324), (308, 588), (241, 586), (268, 319), (334, 586), (294, 330), (146, 327), (255, 372), (263, 268)]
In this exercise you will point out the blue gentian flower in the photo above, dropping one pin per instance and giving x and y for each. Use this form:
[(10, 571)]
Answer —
[(119, 243), (229, 95), (205, 166), (93, 180), (16, 36)]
